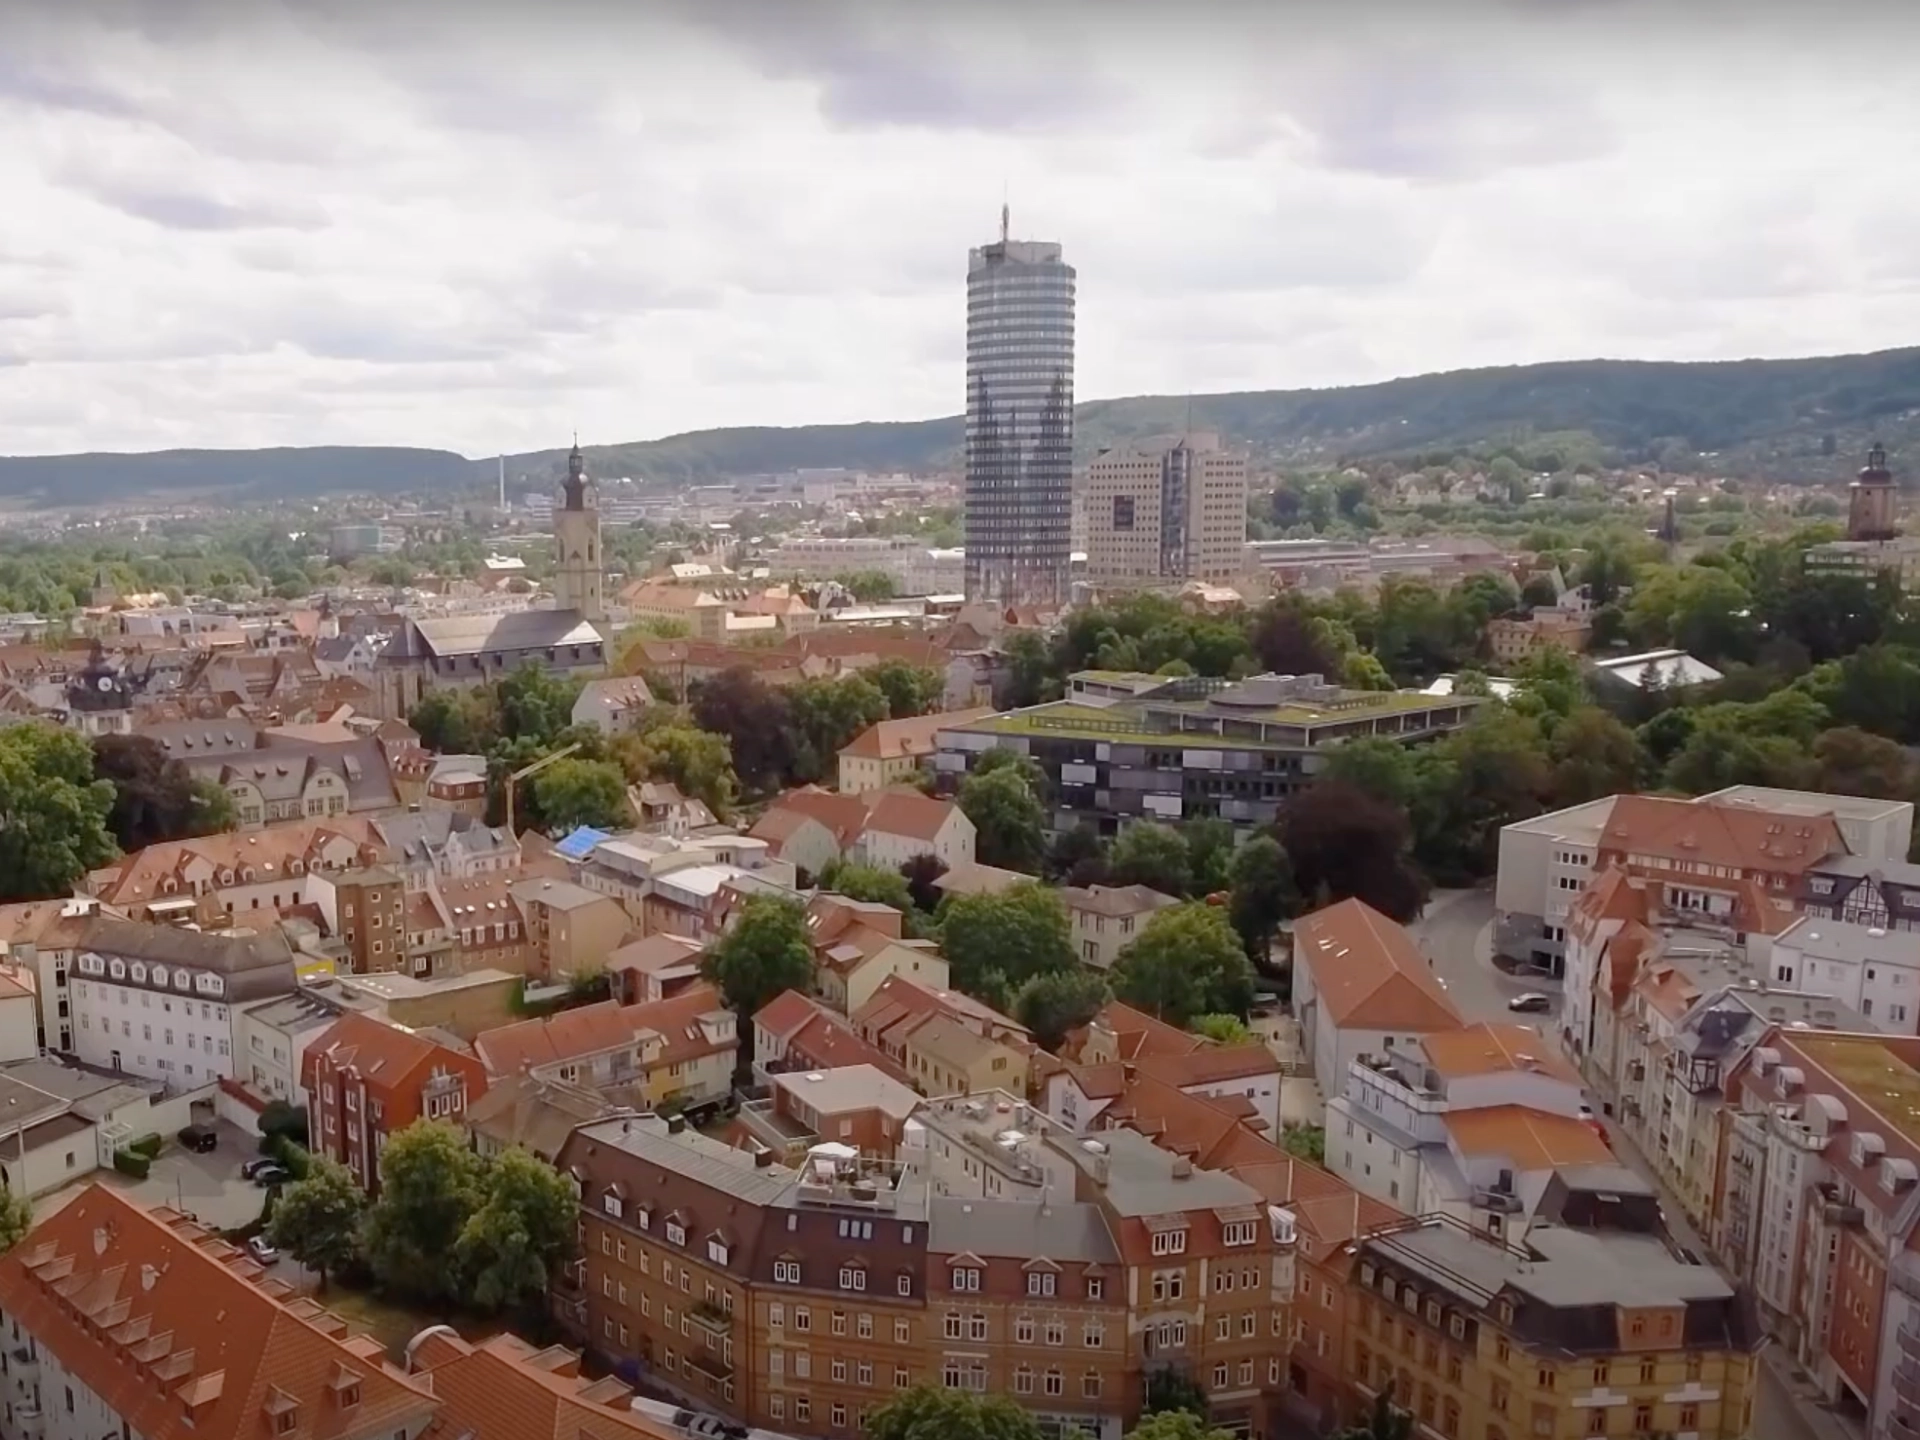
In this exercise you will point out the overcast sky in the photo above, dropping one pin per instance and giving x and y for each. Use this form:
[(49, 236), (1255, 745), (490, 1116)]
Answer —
[(481, 226)]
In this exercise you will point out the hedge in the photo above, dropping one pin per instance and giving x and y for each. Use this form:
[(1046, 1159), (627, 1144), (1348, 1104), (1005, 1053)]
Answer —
[(132, 1162), (147, 1145), (296, 1160)]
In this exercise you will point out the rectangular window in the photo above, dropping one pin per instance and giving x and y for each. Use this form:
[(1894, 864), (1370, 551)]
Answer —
[(1123, 512)]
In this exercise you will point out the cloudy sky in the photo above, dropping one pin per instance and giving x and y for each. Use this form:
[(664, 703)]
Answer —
[(479, 226)]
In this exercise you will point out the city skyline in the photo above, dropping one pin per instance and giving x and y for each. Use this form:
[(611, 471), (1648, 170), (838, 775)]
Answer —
[(315, 226)]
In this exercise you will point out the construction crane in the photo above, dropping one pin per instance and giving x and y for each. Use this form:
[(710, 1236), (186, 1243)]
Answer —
[(513, 780)]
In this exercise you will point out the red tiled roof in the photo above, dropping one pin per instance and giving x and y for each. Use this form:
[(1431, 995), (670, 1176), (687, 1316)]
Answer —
[(1368, 973), (185, 1338)]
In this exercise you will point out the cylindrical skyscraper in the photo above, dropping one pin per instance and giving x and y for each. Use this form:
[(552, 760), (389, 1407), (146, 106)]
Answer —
[(1019, 422)]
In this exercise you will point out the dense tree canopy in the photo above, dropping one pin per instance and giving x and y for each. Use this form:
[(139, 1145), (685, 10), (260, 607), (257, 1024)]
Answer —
[(53, 812)]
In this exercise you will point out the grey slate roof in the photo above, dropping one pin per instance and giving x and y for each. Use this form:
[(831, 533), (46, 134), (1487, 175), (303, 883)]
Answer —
[(254, 966), (1072, 1232), (718, 1166), (479, 634)]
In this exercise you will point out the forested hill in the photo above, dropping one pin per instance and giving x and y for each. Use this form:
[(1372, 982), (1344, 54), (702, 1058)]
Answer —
[(1788, 419), (173, 475)]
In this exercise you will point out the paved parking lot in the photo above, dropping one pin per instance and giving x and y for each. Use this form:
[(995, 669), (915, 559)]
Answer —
[(206, 1186)]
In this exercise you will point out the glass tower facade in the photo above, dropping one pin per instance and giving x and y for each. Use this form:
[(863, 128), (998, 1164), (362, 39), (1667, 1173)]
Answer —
[(1019, 423)]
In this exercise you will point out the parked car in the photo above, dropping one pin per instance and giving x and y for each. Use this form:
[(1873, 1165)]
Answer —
[(270, 1175), (255, 1166), (1533, 1000), (261, 1250), (201, 1138)]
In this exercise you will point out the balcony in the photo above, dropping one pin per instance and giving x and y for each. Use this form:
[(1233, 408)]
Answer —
[(711, 1317), (709, 1365), (1906, 1382), (1909, 1342)]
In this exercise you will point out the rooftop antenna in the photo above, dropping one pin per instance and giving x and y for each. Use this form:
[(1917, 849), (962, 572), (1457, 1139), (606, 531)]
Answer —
[(1005, 213)]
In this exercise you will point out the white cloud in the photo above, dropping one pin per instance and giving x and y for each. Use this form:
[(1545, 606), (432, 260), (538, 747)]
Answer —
[(480, 226)]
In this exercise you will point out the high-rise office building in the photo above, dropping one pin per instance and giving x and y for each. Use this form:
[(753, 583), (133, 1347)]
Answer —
[(1019, 421), (1176, 510)]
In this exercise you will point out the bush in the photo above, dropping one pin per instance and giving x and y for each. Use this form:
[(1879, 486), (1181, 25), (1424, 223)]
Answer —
[(296, 1159), (280, 1119), (147, 1145), (132, 1162)]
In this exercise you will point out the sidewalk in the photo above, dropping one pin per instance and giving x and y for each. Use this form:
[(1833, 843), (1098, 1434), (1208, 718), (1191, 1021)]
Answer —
[(1813, 1413)]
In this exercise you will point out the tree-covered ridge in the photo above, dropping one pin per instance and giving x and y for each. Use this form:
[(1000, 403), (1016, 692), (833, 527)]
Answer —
[(1801, 418)]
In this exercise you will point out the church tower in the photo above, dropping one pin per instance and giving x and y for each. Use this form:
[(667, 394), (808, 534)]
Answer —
[(576, 538), (1870, 500)]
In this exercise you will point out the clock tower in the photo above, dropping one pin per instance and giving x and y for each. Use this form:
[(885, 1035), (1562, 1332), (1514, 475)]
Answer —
[(578, 567)]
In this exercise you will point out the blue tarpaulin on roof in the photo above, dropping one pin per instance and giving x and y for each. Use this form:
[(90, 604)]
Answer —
[(579, 845)]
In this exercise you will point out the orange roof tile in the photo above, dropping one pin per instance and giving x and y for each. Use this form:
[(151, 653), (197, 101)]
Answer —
[(1368, 972), (1531, 1139), (388, 1057), (503, 1386), (909, 813), (177, 1317), (1743, 837), (911, 737), (1492, 1050)]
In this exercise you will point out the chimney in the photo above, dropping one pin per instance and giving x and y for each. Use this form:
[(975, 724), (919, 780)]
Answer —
[(762, 1158), (1182, 1168)]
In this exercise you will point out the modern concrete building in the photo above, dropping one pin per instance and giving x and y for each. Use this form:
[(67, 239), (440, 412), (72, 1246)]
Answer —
[(1176, 510), (1019, 496), (1119, 748)]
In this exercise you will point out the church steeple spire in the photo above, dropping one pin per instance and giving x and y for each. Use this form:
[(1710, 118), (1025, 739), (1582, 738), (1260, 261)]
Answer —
[(576, 498)]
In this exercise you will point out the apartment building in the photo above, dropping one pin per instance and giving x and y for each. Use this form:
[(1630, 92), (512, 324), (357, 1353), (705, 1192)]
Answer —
[(1106, 918), (777, 1297), (1725, 864), (895, 752), (233, 874), (1360, 984), (121, 1320), (1513, 640), (1183, 748), (797, 1032), (271, 1037), (570, 929), (368, 1079), (1470, 1123), (859, 945), (1593, 1324), (1820, 1193), (857, 1106), (1867, 968), (1026, 1301), (677, 1051), (157, 1000), (368, 907), (1166, 511)]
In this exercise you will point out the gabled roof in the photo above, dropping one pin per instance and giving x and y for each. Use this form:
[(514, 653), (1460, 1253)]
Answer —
[(1530, 1139), (1368, 973), (389, 1058), (912, 737), (908, 813), (503, 1387), (1741, 837), (1115, 901), (179, 1318)]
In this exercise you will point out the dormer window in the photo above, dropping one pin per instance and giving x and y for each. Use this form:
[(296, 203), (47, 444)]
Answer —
[(139, 973), (1867, 1147), (159, 974), (1170, 1242), (613, 1204), (676, 1233)]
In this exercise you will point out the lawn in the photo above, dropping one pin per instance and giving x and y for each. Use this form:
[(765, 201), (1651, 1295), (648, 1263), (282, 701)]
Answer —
[(394, 1325)]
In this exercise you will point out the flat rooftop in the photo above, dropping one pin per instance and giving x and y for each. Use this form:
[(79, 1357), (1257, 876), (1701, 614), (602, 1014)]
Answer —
[(392, 985), (1567, 1267), (1882, 1071)]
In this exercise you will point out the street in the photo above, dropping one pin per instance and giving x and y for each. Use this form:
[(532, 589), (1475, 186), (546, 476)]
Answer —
[(1456, 933)]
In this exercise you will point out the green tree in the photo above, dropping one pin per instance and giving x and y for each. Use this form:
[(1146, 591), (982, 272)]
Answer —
[(574, 792), (1033, 674), (698, 761), (996, 943), (869, 883), (1052, 1004), (1186, 961), (521, 1233), (1209, 853), (1849, 761), (826, 715), (1363, 671), (430, 1186), (1172, 1391), (764, 953), (1150, 854), (155, 798), (909, 689), (929, 1412), (1383, 768), (1176, 1425), (1227, 1029), (1345, 844), (16, 1219), (535, 705), (1008, 818), (1386, 1422), (1077, 856), (1262, 893), (318, 1220), (1593, 756), (1308, 1142), (53, 813), (868, 586)]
